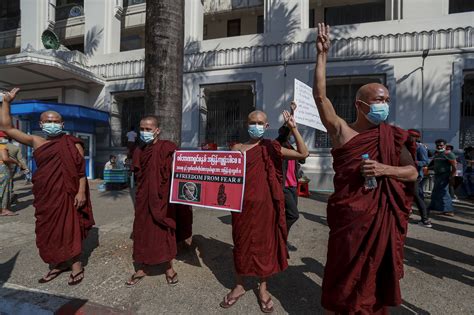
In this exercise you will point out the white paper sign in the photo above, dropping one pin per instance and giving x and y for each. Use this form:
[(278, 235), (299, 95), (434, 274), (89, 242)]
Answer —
[(306, 113)]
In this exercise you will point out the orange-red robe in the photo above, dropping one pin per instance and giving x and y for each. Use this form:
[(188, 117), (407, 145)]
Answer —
[(158, 224), (367, 228), (60, 227), (259, 231)]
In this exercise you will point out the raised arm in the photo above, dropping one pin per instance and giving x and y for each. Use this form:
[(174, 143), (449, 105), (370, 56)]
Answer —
[(301, 148), (329, 118), (6, 122)]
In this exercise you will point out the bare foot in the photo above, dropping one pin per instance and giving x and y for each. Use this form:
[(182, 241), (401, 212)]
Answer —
[(136, 277), (7, 213), (77, 273), (233, 296)]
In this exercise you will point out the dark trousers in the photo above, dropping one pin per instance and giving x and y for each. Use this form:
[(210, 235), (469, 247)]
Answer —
[(291, 206), (420, 199)]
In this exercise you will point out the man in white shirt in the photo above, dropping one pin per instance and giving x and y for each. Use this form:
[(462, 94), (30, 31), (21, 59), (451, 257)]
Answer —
[(131, 141)]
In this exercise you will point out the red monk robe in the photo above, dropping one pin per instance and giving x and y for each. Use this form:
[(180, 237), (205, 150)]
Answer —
[(259, 232), (60, 227), (367, 228), (158, 224)]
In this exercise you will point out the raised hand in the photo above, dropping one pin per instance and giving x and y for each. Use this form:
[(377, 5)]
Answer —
[(323, 41), (10, 96), (289, 120), (293, 107)]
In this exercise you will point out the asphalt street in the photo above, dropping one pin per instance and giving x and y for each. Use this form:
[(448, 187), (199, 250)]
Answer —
[(439, 265)]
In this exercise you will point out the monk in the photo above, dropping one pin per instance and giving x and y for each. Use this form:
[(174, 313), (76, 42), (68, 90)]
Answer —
[(259, 232), (367, 226), (158, 224), (61, 194)]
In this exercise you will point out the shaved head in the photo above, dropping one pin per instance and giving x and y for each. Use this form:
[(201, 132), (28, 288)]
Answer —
[(153, 119), (370, 91), (257, 115), (51, 115)]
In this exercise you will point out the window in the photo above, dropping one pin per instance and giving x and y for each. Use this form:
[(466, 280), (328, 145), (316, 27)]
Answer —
[(466, 137), (9, 15), (353, 14), (132, 42), (69, 8), (126, 3), (233, 28), (224, 109), (311, 18), (342, 91), (459, 6), (260, 24)]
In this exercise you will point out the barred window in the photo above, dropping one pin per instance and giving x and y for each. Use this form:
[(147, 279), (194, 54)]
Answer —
[(342, 92)]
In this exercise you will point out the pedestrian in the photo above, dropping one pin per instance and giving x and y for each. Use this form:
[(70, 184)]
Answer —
[(6, 163), (468, 174), (452, 183), (111, 163), (61, 194), (368, 212), (259, 232), (131, 141), (444, 165), (158, 224), (290, 171), (422, 161), (14, 152)]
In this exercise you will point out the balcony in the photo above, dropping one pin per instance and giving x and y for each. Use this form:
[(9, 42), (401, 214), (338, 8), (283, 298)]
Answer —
[(220, 6)]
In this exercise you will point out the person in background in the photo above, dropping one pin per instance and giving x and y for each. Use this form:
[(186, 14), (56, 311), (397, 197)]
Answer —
[(290, 172), (5, 177), (444, 164), (422, 161), (14, 152), (452, 183), (112, 163), (131, 141), (468, 182)]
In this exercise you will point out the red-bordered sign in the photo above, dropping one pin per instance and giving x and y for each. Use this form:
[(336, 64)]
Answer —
[(211, 179)]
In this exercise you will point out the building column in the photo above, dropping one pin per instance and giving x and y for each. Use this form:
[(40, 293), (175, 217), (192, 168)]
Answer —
[(281, 15), (115, 123), (36, 17), (102, 26), (194, 21)]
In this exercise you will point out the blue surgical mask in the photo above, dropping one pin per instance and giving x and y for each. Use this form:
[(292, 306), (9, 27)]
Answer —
[(256, 131), (378, 112), (52, 129), (147, 136)]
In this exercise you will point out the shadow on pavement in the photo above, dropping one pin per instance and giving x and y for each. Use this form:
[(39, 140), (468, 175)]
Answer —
[(314, 217), (297, 293), (226, 219), (452, 230), (437, 268), (90, 244), (319, 196), (440, 251), (217, 256)]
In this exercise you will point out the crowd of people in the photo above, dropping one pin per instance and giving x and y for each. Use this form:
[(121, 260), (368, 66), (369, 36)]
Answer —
[(376, 168)]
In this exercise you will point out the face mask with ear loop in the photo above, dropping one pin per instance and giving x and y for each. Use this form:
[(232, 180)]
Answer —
[(378, 112)]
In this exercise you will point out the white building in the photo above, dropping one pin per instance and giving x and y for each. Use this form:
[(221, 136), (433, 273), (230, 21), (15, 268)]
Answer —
[(245, 54)]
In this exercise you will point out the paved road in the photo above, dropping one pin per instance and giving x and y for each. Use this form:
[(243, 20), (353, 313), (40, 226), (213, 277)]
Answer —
[(439, 266)]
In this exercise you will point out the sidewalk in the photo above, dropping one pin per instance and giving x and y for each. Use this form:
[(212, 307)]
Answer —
[(439, 266)]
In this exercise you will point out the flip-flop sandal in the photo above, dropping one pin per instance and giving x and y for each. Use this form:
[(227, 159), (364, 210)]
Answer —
[(9, 214), (52, 274), (134, 280), (172, 280), (229, 302), (73, 278), (266, 307)]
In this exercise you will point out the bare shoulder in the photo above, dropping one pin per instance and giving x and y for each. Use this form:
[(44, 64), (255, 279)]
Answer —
[(236, 147), (38, 141), (345, 134)]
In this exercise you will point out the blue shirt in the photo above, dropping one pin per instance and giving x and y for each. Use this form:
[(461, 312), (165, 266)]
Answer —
[(421, 158)]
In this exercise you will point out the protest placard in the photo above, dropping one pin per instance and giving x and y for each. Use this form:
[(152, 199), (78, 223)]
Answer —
[(211, 179), (306, 113)]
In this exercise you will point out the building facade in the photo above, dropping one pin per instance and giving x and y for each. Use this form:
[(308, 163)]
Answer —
[(242, 55)]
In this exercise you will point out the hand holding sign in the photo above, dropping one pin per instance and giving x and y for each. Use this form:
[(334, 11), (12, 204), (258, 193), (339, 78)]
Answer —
[(307, 113)]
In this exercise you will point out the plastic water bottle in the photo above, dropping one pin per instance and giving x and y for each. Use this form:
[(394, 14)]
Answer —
[(370, 181)]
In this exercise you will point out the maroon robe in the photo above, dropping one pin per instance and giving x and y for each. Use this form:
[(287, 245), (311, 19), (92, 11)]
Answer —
[(158, 224), (259, 231), (60, 227), (367, 228)]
